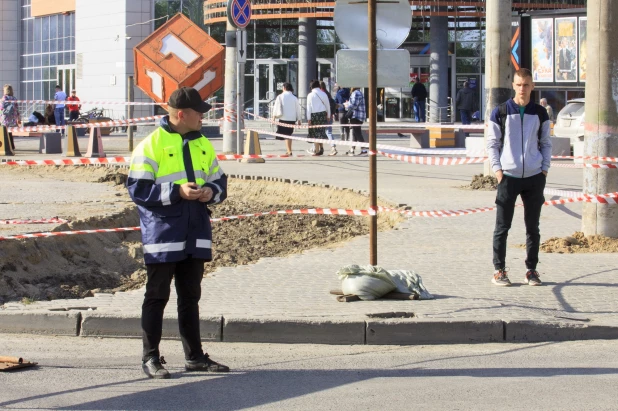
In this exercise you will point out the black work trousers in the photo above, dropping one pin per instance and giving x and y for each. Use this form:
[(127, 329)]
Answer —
[(531, 191), (188, 277)]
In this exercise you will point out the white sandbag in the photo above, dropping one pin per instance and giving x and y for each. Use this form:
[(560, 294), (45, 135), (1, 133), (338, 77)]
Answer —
[(367, 287), (371, 282)]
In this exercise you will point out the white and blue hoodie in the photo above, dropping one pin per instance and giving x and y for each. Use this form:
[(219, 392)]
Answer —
[(522, 154)]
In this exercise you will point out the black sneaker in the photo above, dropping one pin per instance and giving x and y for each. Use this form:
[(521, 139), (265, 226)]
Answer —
[(533, 277), (154, 368), (205, 364)]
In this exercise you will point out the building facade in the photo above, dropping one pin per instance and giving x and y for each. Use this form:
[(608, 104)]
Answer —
[(88, 46)]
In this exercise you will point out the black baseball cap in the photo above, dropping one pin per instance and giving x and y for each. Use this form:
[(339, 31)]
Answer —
[(188, 97)]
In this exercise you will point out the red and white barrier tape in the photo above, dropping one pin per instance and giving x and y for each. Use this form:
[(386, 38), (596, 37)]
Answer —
[(53, 220), (64, 233), (87, 125), (68, 161), (586, 165), (102, 102), (609, 198), (312, 211), (562, 193), (435, 161)]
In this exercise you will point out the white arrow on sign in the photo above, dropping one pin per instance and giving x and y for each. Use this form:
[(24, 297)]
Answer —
[(241, 46), (207, 78), (156, 83), (173, 45)]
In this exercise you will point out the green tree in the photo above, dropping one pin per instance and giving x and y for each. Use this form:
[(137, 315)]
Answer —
[(193, 9)]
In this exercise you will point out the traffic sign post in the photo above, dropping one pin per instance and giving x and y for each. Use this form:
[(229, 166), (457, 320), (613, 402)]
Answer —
[(241, 46), (239, 13), (239, 16), (387, 26)]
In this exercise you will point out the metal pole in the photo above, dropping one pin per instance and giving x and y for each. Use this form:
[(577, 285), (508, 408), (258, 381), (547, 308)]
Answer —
[(239, 136), (373, 192), (130, 96)]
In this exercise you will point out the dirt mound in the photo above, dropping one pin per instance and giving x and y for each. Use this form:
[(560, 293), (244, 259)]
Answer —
[(482, 182), (78, 265), (579, 243)]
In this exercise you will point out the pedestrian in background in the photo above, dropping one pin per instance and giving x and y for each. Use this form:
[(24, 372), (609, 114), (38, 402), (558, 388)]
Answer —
[(172, 198), (59, 108), (50, 118), (341, 98), (9, 112), (333, 111), (550, 111), (465, 103), (357, 105), (74, 108), (419, 95), (287, 111), (318, 112), (520, 159)]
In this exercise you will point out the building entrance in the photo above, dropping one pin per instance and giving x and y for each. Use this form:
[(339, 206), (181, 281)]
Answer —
[(269, 78)]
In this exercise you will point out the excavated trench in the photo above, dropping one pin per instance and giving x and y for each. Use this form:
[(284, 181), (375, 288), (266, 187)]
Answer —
[(77, 266)]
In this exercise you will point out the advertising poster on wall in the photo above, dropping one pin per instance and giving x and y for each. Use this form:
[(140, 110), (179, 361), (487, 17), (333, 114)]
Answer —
[(542, 36), (583, 49), (566, 49)]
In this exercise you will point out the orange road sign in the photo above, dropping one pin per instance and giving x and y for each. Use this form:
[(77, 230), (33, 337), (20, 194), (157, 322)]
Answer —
[(179, 54)]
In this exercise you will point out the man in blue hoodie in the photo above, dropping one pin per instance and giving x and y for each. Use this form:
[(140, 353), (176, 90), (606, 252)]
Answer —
[(520, 159)]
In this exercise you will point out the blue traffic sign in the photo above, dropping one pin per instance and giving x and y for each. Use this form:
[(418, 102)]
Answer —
[(239, 13)]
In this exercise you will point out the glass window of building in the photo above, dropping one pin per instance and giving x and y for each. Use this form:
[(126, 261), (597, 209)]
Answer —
[(47, 53)]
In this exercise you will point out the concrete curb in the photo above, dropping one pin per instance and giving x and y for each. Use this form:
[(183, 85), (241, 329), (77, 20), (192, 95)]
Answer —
[(537, 331), (306, 331), (357, 330), (41, 322), (418, 332), (106, 325)]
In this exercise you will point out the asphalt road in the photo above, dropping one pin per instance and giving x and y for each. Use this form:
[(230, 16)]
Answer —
[(105, 374)]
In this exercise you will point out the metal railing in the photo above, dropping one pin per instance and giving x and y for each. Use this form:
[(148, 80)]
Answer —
[(444, 113)]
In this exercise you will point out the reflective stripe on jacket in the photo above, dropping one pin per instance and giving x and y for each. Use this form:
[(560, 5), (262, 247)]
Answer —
[(174, 228)]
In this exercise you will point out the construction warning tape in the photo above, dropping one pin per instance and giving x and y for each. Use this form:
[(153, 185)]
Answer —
[(435, 161), (562, 193), (101, 124), (311, 211), (382, 126), (325, 211), (54, 220), (609, 198), (87, 125), (601, 199), (68, 161), (102, 102), (586, 165)]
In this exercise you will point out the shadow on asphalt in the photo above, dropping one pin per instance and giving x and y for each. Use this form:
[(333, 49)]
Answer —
[(254, 388)]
